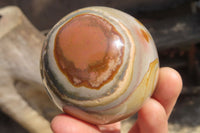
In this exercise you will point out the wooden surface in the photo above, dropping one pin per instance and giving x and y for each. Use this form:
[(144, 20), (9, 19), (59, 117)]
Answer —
[(22, 95)]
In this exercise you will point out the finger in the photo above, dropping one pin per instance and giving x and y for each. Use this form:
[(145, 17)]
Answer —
[(168, 88), (151, 119), (67, 124)]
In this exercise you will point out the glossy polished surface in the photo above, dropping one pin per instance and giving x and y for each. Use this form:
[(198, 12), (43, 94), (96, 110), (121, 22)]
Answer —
[(99, 64), (88, 50)]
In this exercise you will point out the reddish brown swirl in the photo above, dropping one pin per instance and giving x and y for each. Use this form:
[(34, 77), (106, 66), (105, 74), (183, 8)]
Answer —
[(89, 51)]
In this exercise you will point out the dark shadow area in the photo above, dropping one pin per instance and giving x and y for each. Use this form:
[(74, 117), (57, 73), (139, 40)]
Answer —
[(7, 125), (44, 14), (187, 111)]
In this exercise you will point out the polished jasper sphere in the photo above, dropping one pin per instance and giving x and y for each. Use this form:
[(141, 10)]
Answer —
[(99, 64)]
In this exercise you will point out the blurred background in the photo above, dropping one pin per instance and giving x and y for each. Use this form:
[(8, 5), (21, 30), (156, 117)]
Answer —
[(175, 27)]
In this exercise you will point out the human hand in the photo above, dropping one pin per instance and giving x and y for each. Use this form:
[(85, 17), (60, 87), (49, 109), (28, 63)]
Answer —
[(152, 117)]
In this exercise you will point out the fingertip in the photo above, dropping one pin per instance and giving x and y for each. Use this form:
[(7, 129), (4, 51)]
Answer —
[(67, 124), (172, 77), (168, 88), (56, 124)]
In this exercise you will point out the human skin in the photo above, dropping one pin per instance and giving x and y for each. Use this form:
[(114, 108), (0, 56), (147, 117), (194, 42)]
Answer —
[(152, 117)]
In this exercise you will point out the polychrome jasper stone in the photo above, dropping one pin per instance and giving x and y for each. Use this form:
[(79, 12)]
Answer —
[(99, 64)]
